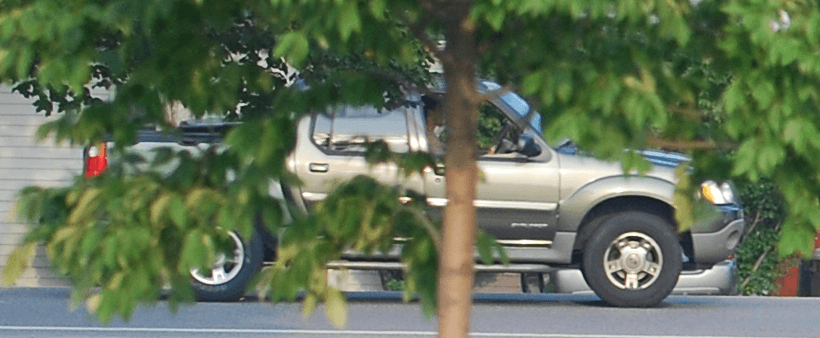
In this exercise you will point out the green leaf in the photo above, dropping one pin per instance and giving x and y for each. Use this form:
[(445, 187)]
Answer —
[(162, 155), (532, 83), (769, 156), (495, 17), (309, 305), (17, 263), (484, 246), (336, 308), (86, 207), (796, 238), (563, 85), (682, 199), (377, 8), (90, 242), (764, 92), (178, 213), (293, 46), (92, 303), (792, 132), (349, 21), (733, 97), (159, 209), (744, 157), (194, 253), (24, 60)]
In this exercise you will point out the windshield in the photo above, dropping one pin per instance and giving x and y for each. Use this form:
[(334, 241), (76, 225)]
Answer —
[(517, 104)]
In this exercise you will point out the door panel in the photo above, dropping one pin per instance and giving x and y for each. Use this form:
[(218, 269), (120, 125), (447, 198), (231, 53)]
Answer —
[(335, 152), (517, 196), (515, 200)]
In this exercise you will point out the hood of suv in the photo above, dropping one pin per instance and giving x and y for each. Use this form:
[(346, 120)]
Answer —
[(578, 171), (665, 159)]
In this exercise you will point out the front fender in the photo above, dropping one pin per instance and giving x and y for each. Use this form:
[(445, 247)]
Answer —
[(576, 206)]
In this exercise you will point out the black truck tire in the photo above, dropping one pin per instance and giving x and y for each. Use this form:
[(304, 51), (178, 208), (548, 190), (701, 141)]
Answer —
[(632, 259), (229, 277)]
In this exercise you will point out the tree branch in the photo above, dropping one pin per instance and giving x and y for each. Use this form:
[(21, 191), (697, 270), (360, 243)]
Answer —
[(754, 268), (689, 113), (657, 142), (757, 264)]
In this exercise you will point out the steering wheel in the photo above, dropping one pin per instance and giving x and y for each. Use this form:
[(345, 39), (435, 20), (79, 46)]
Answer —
[(499, 140)]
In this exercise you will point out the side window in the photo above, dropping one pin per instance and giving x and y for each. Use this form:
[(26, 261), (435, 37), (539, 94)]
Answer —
[(492, 129), (347, 129), (436, 135)]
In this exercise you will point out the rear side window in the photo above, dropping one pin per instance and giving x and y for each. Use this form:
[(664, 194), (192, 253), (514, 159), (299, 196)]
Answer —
[(346, 129)]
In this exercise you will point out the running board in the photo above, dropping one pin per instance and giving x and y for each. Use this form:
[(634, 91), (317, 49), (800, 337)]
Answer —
[(400, 266)]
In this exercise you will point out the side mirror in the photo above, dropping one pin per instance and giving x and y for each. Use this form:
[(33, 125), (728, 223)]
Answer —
[(528, 147)]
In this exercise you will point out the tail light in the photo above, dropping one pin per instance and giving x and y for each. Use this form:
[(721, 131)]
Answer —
[(96, 160)]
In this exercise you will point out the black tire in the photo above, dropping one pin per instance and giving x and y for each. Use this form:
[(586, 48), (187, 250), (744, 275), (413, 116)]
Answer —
[(231, 285), (644, 259)]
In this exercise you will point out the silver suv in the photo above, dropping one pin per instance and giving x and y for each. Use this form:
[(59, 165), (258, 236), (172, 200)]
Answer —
[(549, 206), (546, 205)]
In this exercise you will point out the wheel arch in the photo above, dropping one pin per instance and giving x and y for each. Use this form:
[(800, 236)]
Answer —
[(593, 218)]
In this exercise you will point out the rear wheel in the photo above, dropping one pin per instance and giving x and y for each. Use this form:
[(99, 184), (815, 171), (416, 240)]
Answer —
[(228, 277), (632, 259)]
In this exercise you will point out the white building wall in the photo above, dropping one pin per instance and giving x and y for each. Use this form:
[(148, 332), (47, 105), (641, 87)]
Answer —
[(25, 162)]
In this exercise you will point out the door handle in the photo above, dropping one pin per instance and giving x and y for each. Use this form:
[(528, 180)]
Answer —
[(318, 167)]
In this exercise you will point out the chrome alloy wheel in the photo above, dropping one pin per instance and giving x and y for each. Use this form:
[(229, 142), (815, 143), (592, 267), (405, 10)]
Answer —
[(225, 268), (633, 261)]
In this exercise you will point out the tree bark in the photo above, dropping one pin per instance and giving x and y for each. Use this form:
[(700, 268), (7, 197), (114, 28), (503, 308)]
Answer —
[(456, 261)]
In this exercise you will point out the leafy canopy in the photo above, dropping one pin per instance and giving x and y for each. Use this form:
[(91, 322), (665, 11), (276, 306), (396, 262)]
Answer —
[(733, 83)]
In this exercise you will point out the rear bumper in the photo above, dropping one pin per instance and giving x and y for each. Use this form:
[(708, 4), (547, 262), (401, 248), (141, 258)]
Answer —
[(721, 279)]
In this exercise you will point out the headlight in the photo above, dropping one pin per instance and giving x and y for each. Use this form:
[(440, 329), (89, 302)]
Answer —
[(717, 193)]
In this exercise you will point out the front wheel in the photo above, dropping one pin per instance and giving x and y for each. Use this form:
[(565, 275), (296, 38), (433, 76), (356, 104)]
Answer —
[(228, 277), (633, 259)]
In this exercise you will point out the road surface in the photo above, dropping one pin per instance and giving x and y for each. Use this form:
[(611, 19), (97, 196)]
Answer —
[(45, 313)]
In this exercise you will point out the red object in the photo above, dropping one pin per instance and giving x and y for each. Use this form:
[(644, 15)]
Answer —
[(789, 283), (96, 160), (817, 241)]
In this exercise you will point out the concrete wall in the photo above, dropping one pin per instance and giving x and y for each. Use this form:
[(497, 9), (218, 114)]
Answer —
[(24, 162)]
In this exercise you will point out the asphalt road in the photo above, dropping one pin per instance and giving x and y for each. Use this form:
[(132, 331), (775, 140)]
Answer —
[(45, 313)]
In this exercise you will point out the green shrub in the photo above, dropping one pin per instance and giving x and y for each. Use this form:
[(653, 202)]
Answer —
[(396, 285), (757, 258)]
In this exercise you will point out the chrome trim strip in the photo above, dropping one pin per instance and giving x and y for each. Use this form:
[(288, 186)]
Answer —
[(515, 242), (516, 205), (525, 242), (359, 265), (441, 202)]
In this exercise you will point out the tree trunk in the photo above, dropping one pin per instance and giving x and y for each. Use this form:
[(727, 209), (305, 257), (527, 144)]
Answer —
[(456, 261)]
